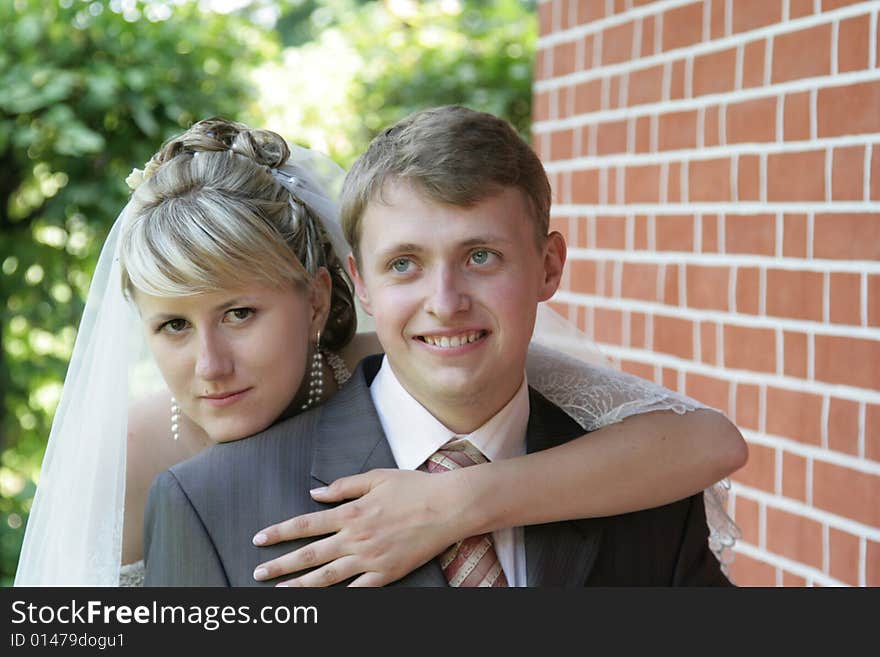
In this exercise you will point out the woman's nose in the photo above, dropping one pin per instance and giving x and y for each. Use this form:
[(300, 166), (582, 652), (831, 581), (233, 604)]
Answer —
[(214, 360)]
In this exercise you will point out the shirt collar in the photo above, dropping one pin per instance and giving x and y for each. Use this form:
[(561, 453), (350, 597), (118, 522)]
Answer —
[(414, 434)]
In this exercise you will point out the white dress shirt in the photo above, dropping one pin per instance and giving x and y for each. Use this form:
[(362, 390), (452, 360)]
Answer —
[(414, 434)]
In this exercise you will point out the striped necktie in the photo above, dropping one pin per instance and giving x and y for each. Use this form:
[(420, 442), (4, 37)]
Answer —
[(472, 561)]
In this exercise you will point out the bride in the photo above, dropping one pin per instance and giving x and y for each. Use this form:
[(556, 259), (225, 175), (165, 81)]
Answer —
[(223, 210)]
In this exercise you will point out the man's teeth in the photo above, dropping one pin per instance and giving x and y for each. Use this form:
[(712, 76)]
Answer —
[(453, 341)]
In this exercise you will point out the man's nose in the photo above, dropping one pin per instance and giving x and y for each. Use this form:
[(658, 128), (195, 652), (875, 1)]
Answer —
[(447, 295)]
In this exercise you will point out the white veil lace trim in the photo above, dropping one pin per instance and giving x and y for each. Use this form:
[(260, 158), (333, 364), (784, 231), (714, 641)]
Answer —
[(567, 368), (74, 532)]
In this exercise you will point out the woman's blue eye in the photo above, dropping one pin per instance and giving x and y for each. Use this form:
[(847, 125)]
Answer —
[(401, 265)]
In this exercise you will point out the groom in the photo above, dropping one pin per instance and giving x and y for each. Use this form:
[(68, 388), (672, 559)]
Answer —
[(448, 215)]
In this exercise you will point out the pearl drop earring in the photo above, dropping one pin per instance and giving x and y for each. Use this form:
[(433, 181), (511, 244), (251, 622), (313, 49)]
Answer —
[(175, 419), (316, 376)]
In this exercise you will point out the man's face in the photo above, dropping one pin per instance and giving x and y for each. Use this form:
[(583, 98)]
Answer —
[(454, 292)]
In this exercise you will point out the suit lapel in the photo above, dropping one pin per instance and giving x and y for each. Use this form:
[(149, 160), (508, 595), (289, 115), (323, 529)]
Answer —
[(561, 553), (350, 440)]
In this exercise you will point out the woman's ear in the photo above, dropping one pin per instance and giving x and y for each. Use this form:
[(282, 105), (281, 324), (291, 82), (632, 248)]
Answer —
[(319, 299)]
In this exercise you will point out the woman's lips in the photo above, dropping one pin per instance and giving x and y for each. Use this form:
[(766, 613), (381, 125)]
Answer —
[(221, 399)]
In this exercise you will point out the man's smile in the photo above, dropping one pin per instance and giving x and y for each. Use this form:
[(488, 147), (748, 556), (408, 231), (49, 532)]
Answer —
[(452, 341)]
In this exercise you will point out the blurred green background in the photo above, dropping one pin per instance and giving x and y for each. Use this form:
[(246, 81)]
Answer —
[(89, 89)]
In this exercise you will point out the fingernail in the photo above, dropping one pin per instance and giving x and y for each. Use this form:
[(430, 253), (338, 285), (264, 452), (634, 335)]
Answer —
[(260, 539), (318, 491), (260, 573), (282, 585)]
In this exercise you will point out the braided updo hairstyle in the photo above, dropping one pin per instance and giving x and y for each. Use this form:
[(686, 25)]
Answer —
[(211, 214)]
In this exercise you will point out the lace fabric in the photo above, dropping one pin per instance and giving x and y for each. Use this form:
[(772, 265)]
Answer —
[(596, 395), (132, 574)]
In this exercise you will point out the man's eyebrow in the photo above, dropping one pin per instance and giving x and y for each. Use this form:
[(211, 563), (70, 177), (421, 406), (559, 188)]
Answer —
[(416, 249), (488, 238), (401, 247)]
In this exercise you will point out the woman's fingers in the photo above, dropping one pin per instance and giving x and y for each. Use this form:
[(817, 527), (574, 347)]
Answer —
[(332, 573), (304, 526), (321, 522), (369, 580), (347, 488), (316, 553)]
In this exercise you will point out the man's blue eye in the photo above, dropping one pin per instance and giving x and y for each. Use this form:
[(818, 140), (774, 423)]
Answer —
[(480, 257)]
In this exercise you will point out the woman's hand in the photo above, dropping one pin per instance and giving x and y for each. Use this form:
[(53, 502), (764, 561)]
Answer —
[(397, 520)]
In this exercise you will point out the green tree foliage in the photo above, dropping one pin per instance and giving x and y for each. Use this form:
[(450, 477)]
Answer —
[(369, 64), (87, 91)]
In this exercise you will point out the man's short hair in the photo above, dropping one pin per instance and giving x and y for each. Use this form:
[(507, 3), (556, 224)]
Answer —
[(453, 155)]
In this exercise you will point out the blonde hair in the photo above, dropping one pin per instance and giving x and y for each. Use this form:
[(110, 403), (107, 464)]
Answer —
[(213, 215), (455, 156)]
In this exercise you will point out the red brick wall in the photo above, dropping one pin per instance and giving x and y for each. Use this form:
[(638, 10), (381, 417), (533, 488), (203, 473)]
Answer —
[(716, 167)]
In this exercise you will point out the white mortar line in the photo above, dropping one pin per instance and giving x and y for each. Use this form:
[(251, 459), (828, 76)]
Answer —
[(862, 411), (872, 40), (648, 356), (762, 525), (775, 29), (714, 152), (826, 549), (823, 422), (780, 235), (741, 208), (801, 509), (863, 561), (826, 297), (723, 260), (780, 352), (829, 159), (777, 470), (666, 105), (814, 114), (809, 482)]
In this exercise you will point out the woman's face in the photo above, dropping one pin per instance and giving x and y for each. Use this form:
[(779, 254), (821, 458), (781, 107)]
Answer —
[(234, 360)]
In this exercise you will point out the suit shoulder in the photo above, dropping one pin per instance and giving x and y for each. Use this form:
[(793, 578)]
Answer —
[(221, 463), (549, 425)]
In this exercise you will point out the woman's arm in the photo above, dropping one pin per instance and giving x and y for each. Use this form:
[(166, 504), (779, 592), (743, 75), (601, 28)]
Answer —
[(399, 519), (402, 519)]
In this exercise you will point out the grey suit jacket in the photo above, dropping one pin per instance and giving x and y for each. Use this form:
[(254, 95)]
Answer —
[(202, 513)]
